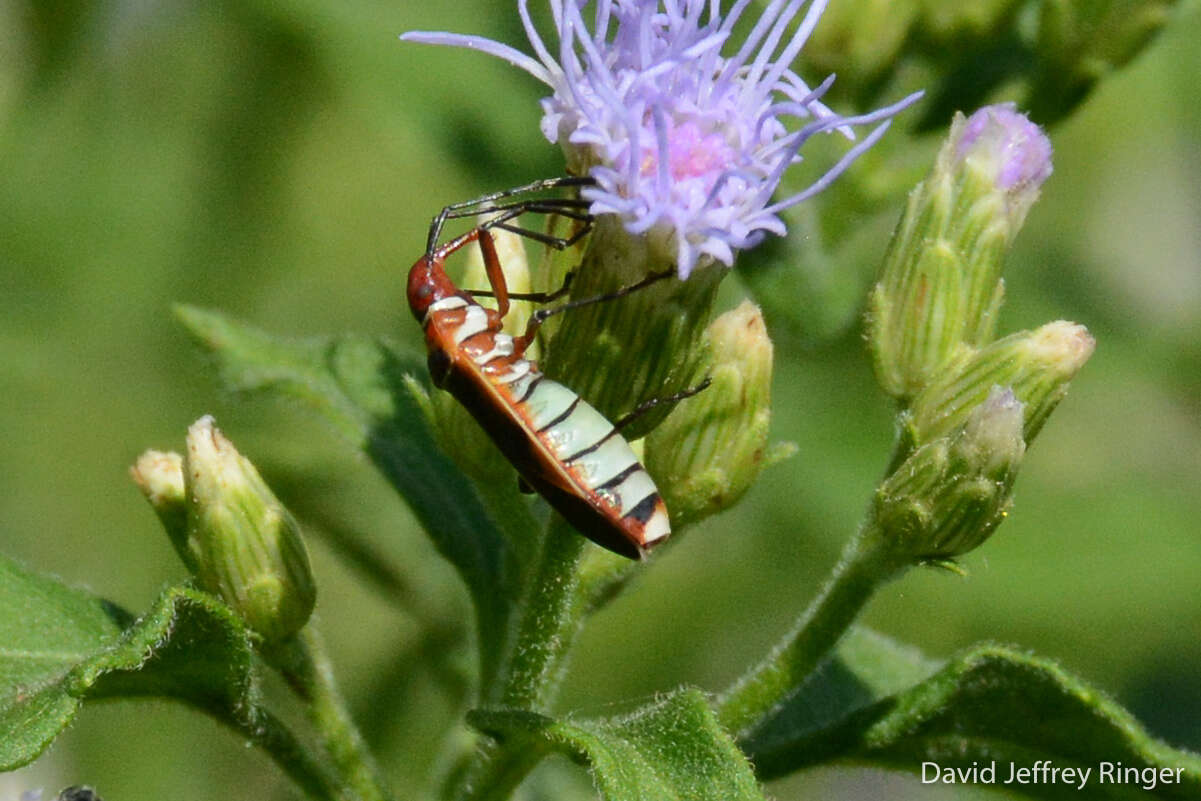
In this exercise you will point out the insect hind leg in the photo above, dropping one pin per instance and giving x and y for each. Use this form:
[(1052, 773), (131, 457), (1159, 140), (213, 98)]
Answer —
[(541, 315), (646, 406)]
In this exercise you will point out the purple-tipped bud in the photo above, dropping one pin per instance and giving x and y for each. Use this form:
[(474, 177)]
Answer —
[(1010, 149), (940, 287), (993, 434)]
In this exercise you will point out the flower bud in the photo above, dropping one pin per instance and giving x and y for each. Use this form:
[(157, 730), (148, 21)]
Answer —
[(940, 286), (621, 352), (951, 493), (1038, 365), (159, 476), (1001, 150), (245, 545), (711, 448)]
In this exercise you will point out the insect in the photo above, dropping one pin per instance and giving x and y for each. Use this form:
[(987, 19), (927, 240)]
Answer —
[(562, 448)]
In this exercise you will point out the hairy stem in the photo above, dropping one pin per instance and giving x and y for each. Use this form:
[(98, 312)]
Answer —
[(305, 665), (866, 564), (269, 733), (498, 771), (548, 619)]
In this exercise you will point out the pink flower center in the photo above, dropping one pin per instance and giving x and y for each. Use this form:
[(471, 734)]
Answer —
[(691, 154)]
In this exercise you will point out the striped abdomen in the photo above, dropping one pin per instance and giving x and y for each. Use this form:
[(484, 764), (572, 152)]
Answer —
[(561, 446)]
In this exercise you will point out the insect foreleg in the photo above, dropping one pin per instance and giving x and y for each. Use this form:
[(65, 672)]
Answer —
[(480, 205)]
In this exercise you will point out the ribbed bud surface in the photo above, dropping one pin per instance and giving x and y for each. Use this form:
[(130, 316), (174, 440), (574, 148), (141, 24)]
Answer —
[(1038, 365), (951, 493), (245, 545), (622, 352), (940, 287), (710, 449), (159, 475)]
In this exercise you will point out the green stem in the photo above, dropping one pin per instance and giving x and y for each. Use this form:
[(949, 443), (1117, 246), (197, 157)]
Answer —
[(268, 733), (866, 564), (603, 576), (304, 663), (498, 772), (548, 618)]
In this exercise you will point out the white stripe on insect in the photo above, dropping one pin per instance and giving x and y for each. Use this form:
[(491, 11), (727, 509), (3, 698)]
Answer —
[(475, 321), (657, 527), (584, 429), (452, 302), (636, 488), (520, 368), (521, 387), (612, 458), (503, 346), (547, 402)]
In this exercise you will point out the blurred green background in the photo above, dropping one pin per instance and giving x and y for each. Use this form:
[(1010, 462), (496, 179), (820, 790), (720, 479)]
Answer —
[(280, 161)]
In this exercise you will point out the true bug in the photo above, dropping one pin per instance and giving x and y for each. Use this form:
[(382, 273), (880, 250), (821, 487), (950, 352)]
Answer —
[(562, 448)]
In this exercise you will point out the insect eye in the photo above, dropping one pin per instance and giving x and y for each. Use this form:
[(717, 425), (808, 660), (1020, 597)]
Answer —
[(425, 291)]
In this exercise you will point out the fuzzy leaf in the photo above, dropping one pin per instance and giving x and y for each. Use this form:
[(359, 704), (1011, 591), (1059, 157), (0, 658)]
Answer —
[(669, 750), (367, 390), (866, 667), (62, 646), (989, 703)]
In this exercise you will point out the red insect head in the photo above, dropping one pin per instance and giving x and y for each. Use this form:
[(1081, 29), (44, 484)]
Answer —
[(427, 285)]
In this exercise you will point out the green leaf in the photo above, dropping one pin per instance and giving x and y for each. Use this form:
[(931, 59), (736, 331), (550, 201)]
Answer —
[(669, 750), (1081, 42), (866, 667), (368, 391), (46, 629), (63, 646), (990, 703)]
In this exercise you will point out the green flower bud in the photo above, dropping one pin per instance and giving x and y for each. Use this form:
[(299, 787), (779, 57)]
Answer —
[(712, 446), (160, 478), (620, 353), (940, 286), (951, 494), (245, 546), (1038, 365)]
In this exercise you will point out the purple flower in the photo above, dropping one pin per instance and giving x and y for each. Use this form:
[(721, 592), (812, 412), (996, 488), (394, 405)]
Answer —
[(683, 141)]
